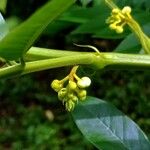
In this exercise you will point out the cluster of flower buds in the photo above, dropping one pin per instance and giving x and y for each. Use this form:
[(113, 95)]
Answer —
[(71, 90), (119, 18)]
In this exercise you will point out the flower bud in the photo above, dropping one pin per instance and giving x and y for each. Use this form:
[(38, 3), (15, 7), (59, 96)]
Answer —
[(70, 105), (112, 26), (84, 82), (119, 29), (72, 85), (75, 99), (115, 11), (82, 94), (62, 93), (56, 85), (83, 98), (70, 95), (126, 9)]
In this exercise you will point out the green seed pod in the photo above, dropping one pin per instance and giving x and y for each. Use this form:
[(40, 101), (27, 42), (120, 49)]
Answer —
[(72, 85), (84, 82), (62, 93), (56, 85), (69, 105)]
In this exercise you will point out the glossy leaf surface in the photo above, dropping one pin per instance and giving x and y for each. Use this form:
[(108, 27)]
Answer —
[(3, 27), (19, 40), (107, 128), (131, 44)]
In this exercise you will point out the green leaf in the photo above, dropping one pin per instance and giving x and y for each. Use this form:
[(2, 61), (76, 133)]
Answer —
[(85, 2), (19, 40), (131, 44), (134, 4), (3, 27), (3, 4), (92, 21), (57, 27), (80, 14), (107, 128), (104, 32)]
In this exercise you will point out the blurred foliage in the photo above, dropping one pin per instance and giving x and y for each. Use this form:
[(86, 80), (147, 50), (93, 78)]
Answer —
[(3, 28), (31, 117), (3, 4)]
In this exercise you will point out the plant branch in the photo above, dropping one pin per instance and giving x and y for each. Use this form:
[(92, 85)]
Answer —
[(36, 53), (103, 60)]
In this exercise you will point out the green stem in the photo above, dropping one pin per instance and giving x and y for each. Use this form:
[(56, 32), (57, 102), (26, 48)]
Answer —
[(135, 27), (11, 71), (104, 60), (127, 61), (36, 53), (57, 62), (137, 30), (111, 4)]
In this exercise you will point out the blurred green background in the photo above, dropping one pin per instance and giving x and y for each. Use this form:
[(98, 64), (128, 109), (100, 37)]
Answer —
[(31, 117)]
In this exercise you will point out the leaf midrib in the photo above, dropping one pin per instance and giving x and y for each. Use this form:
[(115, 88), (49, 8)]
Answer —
[(108, 128)]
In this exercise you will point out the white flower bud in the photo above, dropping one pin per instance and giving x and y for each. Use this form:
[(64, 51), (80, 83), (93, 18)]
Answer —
[(126, 9), (84, 82)]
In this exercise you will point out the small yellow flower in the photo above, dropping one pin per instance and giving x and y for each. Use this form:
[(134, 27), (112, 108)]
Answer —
[(72, 85), (73, 90), (56, 85), (119, 18)]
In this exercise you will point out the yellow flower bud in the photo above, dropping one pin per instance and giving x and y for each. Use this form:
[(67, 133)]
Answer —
[(72, 85), (113, 26), (62, 93), (83, 98), (119, 29), (82, 94), (84, 82), (115, 11), (56, 85)]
